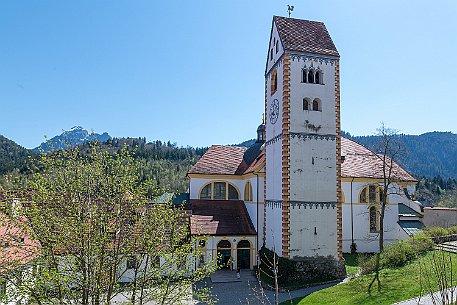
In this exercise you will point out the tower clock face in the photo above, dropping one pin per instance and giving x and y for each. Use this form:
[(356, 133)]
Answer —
[(274, 111)]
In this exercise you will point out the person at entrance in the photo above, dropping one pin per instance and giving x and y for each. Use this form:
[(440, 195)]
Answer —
[(238, 274), (230, 263)]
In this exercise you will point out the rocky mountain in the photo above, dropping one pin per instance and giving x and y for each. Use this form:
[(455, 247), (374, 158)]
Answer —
[(71, 138)]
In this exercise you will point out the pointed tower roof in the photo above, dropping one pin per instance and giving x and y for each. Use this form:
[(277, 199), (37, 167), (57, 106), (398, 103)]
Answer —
[(305, 36)]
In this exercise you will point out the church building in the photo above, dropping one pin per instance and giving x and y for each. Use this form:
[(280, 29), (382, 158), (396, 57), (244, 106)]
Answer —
[(301, 190)]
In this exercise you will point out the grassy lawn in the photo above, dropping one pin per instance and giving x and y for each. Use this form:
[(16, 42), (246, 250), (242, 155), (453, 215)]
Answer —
[(397, 284)]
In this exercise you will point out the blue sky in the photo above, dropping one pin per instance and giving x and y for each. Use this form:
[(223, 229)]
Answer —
[(192, 71)]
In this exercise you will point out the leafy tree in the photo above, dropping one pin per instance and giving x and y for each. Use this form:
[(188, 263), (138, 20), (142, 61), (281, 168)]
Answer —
[(102, 240), (386, 155)]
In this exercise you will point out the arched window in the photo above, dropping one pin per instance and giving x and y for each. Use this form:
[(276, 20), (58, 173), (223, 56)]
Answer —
[(304, 75), (274, 81), (363, 196), (277, 47), (310, 76), (372, 194), (248, 191), (318, 77), (243, 244), (206, 192), (305, 104), (220, 190), (373, 220), (232, 192), (316, 106), (224, 244)]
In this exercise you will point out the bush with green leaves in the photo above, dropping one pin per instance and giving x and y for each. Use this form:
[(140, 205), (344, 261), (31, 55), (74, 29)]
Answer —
[(400, 253), (436, 231), (452, 230)]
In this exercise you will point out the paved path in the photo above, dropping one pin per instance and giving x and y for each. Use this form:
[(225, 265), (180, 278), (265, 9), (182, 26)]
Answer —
[(450, 246), (435, 299), (247, 290), (227, 276)]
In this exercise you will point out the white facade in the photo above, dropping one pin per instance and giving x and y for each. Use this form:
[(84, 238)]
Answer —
[(356, 221), (255, 207), (210, 250)]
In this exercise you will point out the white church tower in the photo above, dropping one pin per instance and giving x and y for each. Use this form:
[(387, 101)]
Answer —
[(303, 145)]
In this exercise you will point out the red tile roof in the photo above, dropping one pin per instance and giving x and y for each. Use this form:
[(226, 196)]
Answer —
[(305, 36), (17, 248), (220, 217), (221, 160), (360, 162), (257, 164)]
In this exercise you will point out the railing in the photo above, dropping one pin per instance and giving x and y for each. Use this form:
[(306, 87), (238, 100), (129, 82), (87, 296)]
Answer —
[(444, 239)]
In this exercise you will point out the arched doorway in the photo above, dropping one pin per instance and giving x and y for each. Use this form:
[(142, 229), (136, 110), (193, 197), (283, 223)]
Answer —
[(243, 254), (224, 254)]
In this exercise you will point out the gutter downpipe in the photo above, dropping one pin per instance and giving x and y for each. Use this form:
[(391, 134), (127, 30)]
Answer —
[(352, 216), (257, 218)]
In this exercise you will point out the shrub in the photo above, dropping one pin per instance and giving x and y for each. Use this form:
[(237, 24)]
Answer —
[(286, 268), (435, 231), (366, 263), (399, 253), (421, 243), (452, 230)]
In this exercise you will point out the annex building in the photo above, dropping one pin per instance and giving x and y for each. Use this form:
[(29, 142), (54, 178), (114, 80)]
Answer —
[(301, 190)]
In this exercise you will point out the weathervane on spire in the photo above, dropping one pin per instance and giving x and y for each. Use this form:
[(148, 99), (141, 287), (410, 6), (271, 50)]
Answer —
[(290, 8)]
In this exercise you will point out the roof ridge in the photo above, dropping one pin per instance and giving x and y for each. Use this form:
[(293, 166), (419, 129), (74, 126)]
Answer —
[(291, 18)]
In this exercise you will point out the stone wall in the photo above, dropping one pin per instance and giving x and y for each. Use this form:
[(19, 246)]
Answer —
[(440, 217), (319, 268)]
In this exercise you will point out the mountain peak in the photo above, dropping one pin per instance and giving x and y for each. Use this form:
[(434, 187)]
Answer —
[(70, 138)]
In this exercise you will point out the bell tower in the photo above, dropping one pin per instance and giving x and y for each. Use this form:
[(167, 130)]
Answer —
[(303, 170)]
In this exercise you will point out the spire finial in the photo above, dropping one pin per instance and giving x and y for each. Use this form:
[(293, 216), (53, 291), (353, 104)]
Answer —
[(290, 8)]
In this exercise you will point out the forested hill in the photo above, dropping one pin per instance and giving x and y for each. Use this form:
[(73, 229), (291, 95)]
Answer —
[(430, 154), (12, 156), (164, 162)]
